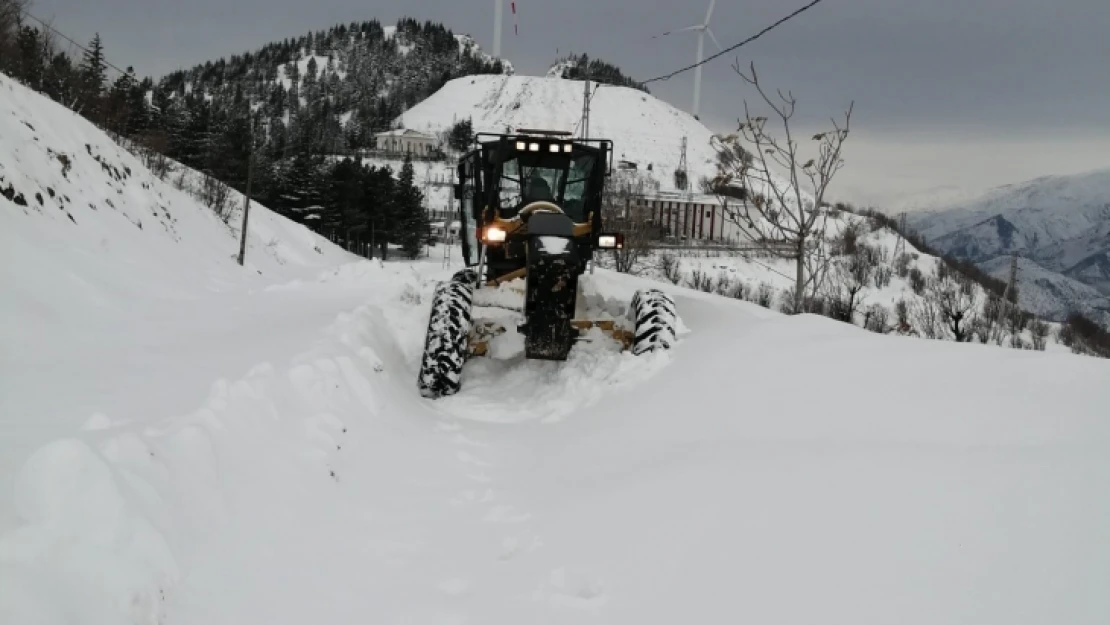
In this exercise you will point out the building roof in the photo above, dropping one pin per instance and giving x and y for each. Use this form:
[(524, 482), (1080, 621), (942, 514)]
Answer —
[(405, 132)]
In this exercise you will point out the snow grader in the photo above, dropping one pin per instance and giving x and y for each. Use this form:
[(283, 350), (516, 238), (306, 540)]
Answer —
[(530, 211)]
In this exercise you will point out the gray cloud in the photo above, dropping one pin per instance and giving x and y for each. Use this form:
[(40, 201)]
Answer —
[(998, 71)]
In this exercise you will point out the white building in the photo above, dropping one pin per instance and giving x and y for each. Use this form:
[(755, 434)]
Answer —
[(406, 140), (690, 217)]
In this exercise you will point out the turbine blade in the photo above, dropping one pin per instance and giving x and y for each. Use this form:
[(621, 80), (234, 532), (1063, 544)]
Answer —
[(714, 38), (710, 11), (677, 30)]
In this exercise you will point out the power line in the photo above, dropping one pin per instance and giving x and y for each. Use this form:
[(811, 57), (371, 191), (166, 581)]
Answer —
[(67, 38), (731, 48), (711, 57)]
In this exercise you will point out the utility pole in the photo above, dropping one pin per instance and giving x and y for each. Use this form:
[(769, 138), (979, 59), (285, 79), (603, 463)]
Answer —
[(1012, 286), (247, 203), (586, 108), (685, 186), (900, 245)]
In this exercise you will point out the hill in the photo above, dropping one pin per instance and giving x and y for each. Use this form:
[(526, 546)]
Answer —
[(645, 130), (1060, 223), (333, 89)]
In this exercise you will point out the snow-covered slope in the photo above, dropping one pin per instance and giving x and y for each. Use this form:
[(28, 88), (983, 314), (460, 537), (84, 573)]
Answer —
[(96, 249), (1060, 222), (644, 129), (889, 284)]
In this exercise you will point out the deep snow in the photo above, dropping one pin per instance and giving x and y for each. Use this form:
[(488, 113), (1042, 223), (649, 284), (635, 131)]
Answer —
[(768, 468), (186, 441)]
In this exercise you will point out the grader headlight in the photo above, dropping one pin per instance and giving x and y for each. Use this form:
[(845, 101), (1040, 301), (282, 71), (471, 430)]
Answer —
[(494, 234), (614, 241)]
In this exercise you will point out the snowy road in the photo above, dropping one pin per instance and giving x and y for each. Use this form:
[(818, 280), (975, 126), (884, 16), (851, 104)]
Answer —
[(701, 485)]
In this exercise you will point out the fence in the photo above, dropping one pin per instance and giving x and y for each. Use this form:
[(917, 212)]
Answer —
[(777, 249)]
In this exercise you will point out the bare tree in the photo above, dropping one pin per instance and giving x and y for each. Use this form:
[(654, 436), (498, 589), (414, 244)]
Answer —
[(950, 306), (850, 277), (768, 208), (670, 267), (701, 281), (876, 319), (1040, 331), (626, 215), (151, 147), (927, 318), (216, 194)]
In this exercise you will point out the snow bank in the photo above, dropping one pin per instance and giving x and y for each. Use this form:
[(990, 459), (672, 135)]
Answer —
[(86, 551)]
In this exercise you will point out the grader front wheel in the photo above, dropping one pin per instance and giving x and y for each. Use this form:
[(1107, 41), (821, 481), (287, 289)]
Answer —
[(445, 344)]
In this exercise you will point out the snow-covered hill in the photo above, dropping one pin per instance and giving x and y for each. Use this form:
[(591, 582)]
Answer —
[(187, 441), (645, 130), (1060, 222), (98, 254), (323, 59), (887, 283)]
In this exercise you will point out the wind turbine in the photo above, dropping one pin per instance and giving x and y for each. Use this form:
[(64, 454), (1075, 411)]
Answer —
[(702, 30), (497, 9)]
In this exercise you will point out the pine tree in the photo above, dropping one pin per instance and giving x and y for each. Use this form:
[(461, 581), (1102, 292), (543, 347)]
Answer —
[(93, 71), (29, 61), (414, 226), (381, 197), (461, 135), (118, 109)]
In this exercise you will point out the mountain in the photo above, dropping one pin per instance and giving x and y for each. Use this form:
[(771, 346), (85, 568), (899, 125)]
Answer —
[(645, 130), (1060, 224), (333, 89), (185, 440), (1049, 294)]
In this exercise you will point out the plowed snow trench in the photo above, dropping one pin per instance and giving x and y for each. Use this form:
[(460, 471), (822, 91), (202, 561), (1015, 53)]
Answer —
[(321, 489)]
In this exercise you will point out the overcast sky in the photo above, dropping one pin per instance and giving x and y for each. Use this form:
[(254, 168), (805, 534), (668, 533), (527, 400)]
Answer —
[(964, 93)]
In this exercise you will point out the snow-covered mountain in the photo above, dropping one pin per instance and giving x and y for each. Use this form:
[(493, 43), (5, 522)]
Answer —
[(644, 129), (329, 89), (1059, 223), (1049, 294), (184, 440)]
